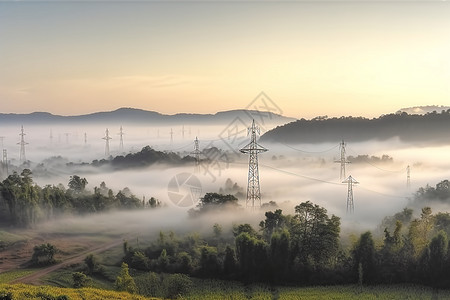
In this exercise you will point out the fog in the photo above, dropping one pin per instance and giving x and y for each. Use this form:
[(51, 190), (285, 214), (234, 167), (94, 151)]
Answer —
[(289, 175)]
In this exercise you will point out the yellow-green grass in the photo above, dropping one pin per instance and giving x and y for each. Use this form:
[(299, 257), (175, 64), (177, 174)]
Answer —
[(217, 289), (30, 292), (9, 276)]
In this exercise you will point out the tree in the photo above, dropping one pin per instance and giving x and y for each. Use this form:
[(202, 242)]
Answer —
[(274, 221), (213, 201), (438, 253), (209, 262), (77, 184), (315, 235), (22, 197), (80, 280), (177, 286), (419, 231), (92, 264), (124, 282), (229, 262), (252, 257), (44, 254), (279, 255), (364, 255)]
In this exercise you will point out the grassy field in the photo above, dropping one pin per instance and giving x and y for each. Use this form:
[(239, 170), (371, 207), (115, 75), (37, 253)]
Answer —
[(9, 276), (29, 292), (215, 289), (7, 238)]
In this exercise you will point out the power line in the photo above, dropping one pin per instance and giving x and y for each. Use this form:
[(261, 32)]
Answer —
[(375, 166), (322, 181), (304, 151)]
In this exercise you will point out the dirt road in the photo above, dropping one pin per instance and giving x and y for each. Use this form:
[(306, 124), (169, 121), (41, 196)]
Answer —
[(36, 277)]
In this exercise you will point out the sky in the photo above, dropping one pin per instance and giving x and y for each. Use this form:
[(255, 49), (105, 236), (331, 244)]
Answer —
[(311, 58)]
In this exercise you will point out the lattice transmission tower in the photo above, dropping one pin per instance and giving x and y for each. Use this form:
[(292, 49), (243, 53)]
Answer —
[(107, 138), (182, 132), (5, 161), (408, 177), (196, 154), (171, 136), (350, 182), (253, 148), (343, 160), (121, 133), (22, 143)]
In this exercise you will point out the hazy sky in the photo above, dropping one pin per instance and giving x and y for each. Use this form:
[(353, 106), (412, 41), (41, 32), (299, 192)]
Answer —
[(323, 58)]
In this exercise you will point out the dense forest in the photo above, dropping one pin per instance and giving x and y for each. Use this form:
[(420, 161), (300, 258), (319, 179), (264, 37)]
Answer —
[(431, 127), (27, 203), (306, 248)]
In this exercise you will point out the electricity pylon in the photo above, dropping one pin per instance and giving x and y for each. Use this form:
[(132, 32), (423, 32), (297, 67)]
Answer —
[(107, 138), (171, 136), (182, 132), (408, 177), (196, 154), (85, 138), (253, 148), (121, 139), (350, 182), (5, 161), (51, 137), (22, 157), (343, 160)]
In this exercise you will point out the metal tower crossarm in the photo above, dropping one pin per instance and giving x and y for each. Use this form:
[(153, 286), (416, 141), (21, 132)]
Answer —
[(343, 160)]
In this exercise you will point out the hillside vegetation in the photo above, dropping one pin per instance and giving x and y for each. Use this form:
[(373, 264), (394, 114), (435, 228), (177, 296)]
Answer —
[(22, 291), (431, 127)]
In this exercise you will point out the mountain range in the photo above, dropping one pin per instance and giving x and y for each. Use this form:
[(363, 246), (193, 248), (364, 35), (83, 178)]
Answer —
[(139, 116)]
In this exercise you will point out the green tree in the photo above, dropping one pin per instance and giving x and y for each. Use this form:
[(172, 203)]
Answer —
[(315, 236), (177, 286), (438, 254), (252, 256), (274, 221), (44, 254), (364, 253), (80, 280), (77, 184), (229, 262), (124, 282), (92, 264), (209, 262), (419, 231), (279, 255)]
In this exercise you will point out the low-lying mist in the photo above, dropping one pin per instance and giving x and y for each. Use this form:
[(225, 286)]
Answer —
[(289, 174)]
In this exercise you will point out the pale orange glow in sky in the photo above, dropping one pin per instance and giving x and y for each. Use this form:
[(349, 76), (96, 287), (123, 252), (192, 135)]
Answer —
[(324, 58)]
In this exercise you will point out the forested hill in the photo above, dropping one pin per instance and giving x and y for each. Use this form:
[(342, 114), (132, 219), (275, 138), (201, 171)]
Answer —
[(430, 128)]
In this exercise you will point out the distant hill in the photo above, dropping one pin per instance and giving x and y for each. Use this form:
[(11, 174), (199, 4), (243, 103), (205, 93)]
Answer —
[(429, 128), (139, 116), (421, 110)]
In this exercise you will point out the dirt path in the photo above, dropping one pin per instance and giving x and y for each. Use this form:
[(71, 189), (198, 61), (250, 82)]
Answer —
[(36, 277)]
